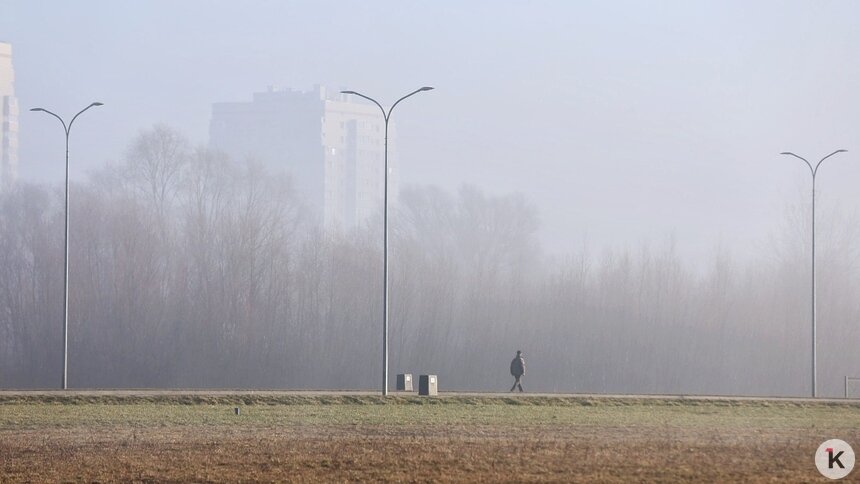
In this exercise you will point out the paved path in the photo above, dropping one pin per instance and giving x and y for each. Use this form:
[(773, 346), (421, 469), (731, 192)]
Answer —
[(152, 392)]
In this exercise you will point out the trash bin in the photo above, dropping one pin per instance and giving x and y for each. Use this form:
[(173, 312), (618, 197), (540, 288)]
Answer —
[(404, 382), (427, 385)]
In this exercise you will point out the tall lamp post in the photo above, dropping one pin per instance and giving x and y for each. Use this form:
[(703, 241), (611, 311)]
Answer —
[(814, 172), (67, 129), (387, 116)]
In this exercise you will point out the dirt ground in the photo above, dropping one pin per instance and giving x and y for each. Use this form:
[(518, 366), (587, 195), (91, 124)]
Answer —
[(468, 440)]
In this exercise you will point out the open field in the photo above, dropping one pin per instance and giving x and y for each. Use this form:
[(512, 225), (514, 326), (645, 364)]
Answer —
[(348, 437)]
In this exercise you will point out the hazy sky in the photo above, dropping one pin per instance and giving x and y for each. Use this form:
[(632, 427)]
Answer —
[(623, 121)]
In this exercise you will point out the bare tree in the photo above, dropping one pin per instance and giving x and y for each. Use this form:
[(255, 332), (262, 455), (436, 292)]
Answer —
[(192, 269)]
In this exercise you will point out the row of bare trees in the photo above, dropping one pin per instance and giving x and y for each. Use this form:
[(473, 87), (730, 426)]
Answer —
[(192, 270)]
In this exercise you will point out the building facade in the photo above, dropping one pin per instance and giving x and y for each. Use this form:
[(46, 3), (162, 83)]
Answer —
[(8, 119), (332, 146)]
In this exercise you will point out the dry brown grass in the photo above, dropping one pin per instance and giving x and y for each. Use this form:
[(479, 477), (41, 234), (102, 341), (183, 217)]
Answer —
[(459, 440)]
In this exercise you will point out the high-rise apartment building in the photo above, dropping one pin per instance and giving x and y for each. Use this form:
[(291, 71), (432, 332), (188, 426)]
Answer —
[(332, 147), (8, 119)]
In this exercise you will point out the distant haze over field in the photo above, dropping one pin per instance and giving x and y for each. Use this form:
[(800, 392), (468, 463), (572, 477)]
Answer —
[(622, 121), (596, 183)]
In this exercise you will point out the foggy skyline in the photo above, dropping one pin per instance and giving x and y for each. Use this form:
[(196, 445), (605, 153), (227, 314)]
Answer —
[(622, 122), (229, 265)]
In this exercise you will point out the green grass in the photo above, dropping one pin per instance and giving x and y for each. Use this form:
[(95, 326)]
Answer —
[(35, 412), (59, 437)]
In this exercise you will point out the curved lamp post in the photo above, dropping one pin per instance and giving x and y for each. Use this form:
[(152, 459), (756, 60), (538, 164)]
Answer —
[(67, 129), (814, 172), (387, 116)]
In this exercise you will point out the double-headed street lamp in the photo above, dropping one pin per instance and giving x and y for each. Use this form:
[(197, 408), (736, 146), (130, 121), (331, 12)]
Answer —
[(67, 129), (387, 116), (814, 172)]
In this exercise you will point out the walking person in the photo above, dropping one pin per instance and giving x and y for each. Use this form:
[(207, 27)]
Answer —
[(518, 369)]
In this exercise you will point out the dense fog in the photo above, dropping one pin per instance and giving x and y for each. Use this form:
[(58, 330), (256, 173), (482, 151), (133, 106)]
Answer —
[(595, 183), (189, 269)]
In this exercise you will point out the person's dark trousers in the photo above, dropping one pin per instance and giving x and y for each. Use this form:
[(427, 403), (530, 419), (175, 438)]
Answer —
[(517, 383)]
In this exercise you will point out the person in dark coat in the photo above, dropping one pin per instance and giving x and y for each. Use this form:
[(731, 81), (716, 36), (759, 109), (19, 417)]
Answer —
[(518, 369)]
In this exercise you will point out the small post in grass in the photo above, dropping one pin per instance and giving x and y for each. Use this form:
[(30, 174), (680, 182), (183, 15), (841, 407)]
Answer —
[(404, 382), (427, 385)]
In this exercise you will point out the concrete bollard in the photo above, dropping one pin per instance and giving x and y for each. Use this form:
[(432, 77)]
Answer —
[(427, 385), (404, 382)]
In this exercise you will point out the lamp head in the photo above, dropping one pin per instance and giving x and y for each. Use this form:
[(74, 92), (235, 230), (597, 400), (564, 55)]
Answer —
[(36, 109), (97, 104), (426, 88), (348, 92)]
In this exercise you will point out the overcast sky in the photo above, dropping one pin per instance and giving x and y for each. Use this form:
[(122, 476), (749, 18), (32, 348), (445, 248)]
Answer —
[(624, 122)]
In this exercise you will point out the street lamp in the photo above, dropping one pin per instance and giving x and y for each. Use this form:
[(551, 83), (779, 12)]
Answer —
[(814, 172), (387, 116), (67, 129)]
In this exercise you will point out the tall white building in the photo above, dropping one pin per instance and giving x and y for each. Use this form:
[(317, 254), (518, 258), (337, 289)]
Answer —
[(8, 119), (332, 146)]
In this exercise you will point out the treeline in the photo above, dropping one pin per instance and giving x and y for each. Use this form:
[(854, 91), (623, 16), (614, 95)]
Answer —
[(192, 270)]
